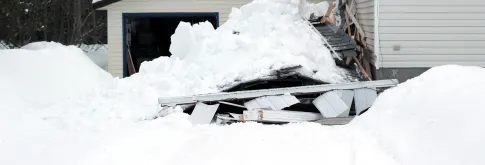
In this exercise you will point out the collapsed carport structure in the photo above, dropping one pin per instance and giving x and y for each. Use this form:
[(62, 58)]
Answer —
[(399, 38), (283, 97)]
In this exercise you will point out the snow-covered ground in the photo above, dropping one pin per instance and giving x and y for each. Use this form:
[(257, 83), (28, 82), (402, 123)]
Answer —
[(58, 107)]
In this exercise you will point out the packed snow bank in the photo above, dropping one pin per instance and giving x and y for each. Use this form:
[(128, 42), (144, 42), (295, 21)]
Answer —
[(41, 74), (173, 140), (97, 53), (436, 118)]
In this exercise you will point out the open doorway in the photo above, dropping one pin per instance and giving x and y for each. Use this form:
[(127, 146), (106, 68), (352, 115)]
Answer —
[(147, 36)]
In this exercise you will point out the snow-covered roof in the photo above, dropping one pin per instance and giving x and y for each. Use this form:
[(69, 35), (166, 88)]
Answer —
[(102, 3)]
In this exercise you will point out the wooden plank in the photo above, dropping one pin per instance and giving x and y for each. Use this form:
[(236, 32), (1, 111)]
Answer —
[(362, 69), (356, 22), (432, 37), (131, 65)]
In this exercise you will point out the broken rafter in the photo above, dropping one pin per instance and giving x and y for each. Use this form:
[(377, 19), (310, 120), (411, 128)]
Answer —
[(313, 89), (356, 23)]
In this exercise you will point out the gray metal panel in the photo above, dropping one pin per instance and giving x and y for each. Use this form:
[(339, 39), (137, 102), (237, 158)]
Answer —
[(335, 121), (347, 97), (277, 91), (364, 98), (281, 116), (272, 102), (203, 113), (330, 105)]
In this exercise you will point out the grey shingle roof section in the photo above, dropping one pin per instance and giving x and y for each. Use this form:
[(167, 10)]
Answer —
[(338, 39)]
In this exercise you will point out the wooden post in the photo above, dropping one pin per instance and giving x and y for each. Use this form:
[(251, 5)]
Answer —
[(131, 65)]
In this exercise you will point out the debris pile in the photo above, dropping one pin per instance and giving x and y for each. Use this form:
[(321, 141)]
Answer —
[(318, 31)]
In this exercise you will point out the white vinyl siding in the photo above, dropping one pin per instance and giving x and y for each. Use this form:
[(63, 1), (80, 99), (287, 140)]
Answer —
[(429, 33), (115, 10), (365, 16)]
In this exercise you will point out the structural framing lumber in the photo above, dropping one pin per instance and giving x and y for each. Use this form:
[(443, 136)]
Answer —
[(313, 89)]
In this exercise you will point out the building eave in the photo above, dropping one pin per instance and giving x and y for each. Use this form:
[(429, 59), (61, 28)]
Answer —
[(103, 3)]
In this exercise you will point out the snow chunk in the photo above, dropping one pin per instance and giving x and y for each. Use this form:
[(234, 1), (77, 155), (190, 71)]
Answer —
[(435, 118)]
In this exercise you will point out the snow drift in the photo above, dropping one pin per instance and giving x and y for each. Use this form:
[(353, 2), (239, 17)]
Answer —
[(41, 74), (436, 118), (58, 107)]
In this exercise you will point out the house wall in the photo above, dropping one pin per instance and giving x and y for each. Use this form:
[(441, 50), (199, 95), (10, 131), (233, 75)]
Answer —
[(364, 11), (115, 38), (428, 33)]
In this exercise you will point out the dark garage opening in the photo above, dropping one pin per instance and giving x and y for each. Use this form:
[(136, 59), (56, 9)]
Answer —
[(147, 36)]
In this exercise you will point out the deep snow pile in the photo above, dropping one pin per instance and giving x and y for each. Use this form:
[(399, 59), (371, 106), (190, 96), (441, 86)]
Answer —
[(97, 53), (174, 141), (260, 37), (41, 74), (436, 118), (58, 107)]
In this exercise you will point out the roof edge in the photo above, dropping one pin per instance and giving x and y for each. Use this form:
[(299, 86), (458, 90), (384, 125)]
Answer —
[(103, 3)]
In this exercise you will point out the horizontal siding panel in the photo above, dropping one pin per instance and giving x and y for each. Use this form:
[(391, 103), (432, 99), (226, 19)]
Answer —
[(432, 23), (432, 16), (369, 16), (432, 9), (362, 1), (365, 10), (369, 35), (417, 64), (368, 28), (434, 52), (365, 4), (434, 44), (366, 22), (443, 58), (430, 2), (369, 41), (431, 37), (432, 30)]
